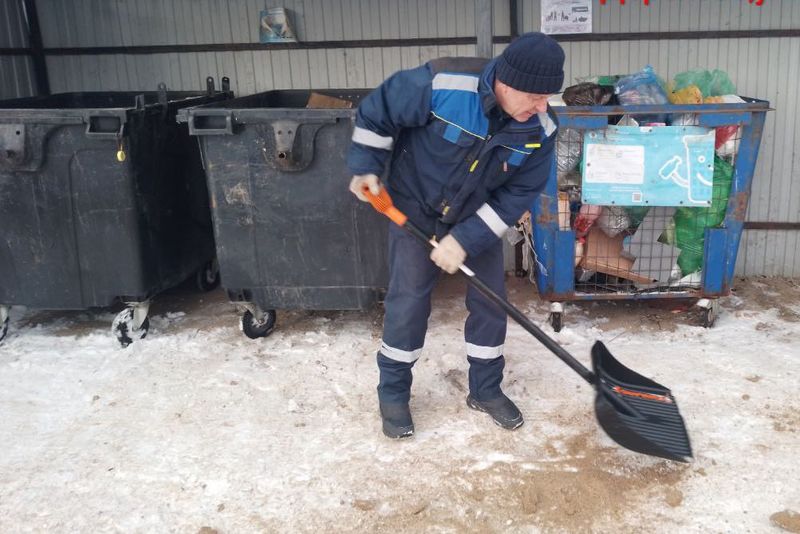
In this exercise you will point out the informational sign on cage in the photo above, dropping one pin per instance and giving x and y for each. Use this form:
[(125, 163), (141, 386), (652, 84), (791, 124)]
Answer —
[(566, 16), (648, 166), (607, 164)]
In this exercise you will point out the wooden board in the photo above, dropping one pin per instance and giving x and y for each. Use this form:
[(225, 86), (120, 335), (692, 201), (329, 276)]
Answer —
[(317, 100)]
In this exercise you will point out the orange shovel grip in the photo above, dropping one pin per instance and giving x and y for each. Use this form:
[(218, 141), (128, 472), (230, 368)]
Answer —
[(382, 203)]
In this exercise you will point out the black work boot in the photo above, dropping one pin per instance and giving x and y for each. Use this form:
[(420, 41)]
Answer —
[(397, 421), (503, 411), (394, 391)]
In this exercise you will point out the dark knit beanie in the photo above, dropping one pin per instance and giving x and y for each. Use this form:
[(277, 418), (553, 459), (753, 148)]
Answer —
[(533, 63)]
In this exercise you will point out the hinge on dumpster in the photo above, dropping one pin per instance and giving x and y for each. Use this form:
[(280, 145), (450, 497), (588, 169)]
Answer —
[(285, 132), (22, 147), (210, 89), (291, 145), (12, 144), (286, 149)]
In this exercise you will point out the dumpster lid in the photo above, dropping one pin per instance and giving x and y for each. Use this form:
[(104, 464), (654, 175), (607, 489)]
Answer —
[(290, 98), (100, 100), (222, 118), (749, 105)]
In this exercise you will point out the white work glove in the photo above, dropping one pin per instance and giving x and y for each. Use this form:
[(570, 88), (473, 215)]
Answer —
[(360, 180), (449, 255)]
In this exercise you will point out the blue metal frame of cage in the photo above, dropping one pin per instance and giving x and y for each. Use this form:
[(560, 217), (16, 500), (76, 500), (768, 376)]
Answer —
[(555, 249)]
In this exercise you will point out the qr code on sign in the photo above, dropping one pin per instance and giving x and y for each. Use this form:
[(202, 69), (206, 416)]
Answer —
[(636, 197)]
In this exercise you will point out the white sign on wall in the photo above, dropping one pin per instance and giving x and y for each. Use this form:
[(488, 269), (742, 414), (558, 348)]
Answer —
[(566, 16)]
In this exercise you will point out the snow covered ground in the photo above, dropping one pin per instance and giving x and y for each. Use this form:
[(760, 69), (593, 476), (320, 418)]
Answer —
[(197, 426)]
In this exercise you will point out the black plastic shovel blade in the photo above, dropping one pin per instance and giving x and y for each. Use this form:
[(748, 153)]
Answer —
[(636, 412)]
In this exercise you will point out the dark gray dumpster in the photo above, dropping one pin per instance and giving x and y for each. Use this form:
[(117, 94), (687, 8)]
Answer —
[(289, 234), (103, 198)]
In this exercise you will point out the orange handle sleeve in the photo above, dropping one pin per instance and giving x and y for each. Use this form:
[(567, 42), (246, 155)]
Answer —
[(382, 203)]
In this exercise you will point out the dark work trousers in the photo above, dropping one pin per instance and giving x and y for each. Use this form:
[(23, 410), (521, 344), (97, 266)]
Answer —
[(412, 276)]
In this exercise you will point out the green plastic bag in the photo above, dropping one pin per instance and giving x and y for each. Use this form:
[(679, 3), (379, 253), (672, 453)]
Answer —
[(691, 223), (636, 214), (710, 82), (607, 80)]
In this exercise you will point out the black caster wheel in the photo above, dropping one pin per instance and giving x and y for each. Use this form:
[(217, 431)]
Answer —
[(123, 330), (556, 320), (3, 330), (207, 278), (709, 316), (255, 329)]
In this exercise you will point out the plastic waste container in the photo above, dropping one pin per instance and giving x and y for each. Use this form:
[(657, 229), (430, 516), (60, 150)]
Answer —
[(289, 234), (103, 198), (646, 212)]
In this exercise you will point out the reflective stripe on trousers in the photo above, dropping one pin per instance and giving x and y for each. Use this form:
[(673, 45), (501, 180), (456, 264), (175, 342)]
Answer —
[(408, 307)]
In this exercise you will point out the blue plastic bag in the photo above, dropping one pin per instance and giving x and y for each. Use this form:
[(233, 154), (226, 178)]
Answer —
[(642, 88)]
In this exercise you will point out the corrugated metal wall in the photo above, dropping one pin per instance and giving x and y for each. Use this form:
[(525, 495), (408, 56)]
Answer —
[(16, 72), (186, 22), (765, 67)]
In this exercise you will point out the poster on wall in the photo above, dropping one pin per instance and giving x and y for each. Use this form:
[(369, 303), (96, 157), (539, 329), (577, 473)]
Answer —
[(566, 16), (274, 26)]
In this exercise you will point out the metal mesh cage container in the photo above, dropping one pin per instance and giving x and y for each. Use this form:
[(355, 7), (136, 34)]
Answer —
[(645, 211)]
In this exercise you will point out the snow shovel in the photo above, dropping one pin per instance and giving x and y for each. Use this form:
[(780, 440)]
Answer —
[(636, 412)]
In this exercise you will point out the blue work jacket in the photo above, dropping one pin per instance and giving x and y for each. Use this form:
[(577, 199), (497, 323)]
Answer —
[(457, 164)]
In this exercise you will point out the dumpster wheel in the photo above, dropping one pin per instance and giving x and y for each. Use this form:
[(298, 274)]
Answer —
[(556, 320), (4, 330), (207, 277), (123, 328), (556, 316), (253, 328), (709, 309), (709, 317)]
